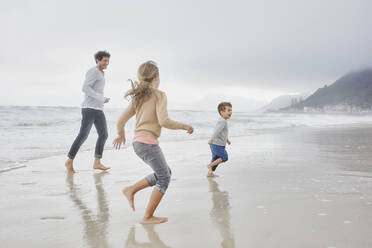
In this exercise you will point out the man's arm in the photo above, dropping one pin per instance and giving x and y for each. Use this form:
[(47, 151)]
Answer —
[(90, 78)]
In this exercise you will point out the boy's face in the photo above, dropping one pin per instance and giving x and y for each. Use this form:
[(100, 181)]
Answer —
[(226, 114)]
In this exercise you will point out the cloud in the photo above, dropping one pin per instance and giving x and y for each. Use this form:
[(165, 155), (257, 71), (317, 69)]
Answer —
[(273, 46)]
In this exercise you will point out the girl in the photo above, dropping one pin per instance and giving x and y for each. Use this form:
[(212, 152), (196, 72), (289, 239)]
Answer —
[(150, 107)]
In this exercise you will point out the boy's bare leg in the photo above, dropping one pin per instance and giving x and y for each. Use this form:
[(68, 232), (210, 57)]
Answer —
[(149, 217), (130, 191), (98, 165), (70, 165), (211, 165), (210, 173)]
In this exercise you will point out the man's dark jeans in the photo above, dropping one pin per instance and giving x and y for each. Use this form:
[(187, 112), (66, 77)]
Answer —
[(90, 117)]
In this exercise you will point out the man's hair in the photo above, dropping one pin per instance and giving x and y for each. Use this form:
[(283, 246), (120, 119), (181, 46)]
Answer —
[(100, 54), (222, 106)]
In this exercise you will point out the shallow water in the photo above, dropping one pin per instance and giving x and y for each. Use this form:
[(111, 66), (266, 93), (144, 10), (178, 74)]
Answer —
[(29, 133)]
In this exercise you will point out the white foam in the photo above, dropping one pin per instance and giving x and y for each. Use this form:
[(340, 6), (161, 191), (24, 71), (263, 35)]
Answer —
[(322, 214)]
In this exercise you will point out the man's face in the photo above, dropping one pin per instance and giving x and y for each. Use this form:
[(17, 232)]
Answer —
[(103, 63), (226, 114)]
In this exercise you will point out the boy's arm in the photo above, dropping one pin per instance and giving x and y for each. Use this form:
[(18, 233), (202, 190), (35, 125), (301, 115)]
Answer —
[(128, 113), (162, 114), (90, 78), (228, 141)]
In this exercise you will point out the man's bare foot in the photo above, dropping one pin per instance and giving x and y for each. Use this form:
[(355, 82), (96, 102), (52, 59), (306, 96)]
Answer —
[(154, 220), (99, 166), (69, 166), (128, 193)]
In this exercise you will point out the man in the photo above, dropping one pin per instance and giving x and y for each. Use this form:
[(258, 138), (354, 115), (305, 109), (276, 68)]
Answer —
[(92, 112)]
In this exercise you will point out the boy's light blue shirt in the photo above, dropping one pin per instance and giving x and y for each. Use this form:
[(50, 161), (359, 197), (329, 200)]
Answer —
[(220, 133)]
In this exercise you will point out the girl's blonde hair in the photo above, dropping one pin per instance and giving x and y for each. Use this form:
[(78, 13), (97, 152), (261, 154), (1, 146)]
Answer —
[(141, 89)]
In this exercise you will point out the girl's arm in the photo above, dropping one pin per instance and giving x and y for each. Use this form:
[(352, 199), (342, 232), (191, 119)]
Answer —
[(128, 113), (162, 114)]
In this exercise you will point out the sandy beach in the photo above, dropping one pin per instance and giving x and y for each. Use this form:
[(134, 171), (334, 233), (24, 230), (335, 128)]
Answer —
[(306, 187), (288, 83)]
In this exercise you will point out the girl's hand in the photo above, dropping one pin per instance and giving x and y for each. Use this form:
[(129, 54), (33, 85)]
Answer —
[(189, 129), (209, 142), (228, 142), (118, 141)]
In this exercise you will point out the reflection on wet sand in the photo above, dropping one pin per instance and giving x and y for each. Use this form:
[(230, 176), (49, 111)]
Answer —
[(220, 213), (95, 225), (154, 239), (349, 149)]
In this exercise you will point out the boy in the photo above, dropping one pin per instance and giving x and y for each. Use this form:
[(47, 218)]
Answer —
[(219, 138)]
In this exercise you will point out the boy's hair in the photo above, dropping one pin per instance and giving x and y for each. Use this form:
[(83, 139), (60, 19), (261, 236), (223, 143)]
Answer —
[(100, 54), (222, 106)]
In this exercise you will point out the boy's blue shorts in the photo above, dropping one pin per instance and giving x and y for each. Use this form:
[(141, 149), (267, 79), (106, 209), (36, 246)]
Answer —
[(218, 152)]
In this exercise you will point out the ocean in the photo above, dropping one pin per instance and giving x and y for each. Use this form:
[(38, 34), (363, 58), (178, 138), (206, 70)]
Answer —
[(31, 132)]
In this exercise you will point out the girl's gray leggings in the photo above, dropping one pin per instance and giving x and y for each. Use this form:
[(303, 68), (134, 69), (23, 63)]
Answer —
[(153, 156)]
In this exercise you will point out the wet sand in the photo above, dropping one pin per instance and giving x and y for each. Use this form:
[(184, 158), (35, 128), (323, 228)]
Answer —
[(299, 188)]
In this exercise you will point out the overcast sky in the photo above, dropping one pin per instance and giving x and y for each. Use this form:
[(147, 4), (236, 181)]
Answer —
[(221, 49)]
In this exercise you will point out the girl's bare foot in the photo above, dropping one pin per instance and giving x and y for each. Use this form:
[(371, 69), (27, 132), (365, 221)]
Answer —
[(154, 220), (69, 166), (129, 194)]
